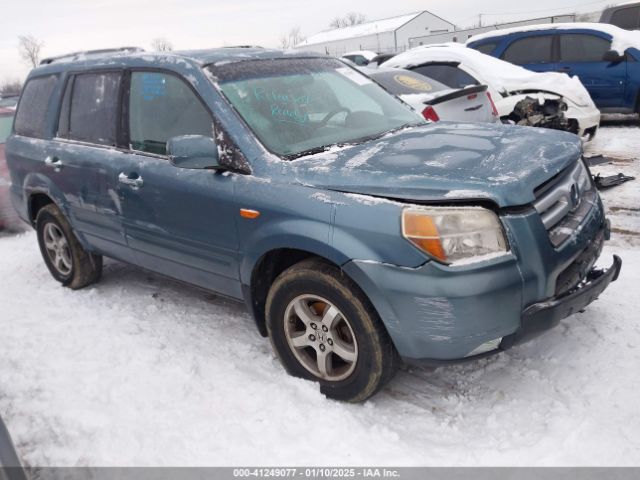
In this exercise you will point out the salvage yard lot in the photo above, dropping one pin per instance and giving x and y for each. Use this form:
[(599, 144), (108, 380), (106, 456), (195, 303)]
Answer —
[(139, 370)]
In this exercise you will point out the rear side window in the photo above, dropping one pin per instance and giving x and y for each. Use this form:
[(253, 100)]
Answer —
[(583, 48), (627, 18), (31, 118), (450, 75), (529, 50), (90, 108), (358, 60), (162, 106), (486, 48), (407, 82)]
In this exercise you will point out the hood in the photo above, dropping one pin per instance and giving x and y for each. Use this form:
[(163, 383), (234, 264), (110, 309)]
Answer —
[(571, 88), (445, 162)]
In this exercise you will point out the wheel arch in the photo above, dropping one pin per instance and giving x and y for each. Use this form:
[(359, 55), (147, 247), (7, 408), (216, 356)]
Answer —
[(39, 190), (36, 202), (264, 272)]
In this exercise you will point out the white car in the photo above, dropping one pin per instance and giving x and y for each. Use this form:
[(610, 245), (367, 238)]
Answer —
[(360, 57), (434, 100), (512, 88)]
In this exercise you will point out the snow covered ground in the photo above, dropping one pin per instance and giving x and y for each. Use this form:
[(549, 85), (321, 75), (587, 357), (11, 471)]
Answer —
[(139, 370)]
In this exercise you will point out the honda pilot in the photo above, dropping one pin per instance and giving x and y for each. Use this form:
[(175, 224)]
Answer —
[(358, 234)]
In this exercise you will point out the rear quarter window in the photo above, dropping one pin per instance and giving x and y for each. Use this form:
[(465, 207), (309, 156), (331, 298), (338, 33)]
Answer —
[(407, 83), (450, 75), (31, 118), (486, 48)]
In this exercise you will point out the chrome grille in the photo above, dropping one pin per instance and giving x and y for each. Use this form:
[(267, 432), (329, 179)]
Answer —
[(565, 201)]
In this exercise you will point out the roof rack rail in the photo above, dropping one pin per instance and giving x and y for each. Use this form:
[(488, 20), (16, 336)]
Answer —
[(76, 55)]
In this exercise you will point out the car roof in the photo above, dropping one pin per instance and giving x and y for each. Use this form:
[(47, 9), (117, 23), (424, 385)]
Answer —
[(191, 58), (543, 28)]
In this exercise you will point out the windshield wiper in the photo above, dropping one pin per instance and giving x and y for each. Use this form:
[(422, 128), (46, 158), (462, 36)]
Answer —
[(356, 141), (382, 134), (311, 151)]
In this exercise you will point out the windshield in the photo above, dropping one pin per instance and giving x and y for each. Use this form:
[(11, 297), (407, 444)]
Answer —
[(297, 106), (5, 127)]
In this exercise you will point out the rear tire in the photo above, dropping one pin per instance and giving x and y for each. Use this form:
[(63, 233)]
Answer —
[(323, 328), (68, 262)]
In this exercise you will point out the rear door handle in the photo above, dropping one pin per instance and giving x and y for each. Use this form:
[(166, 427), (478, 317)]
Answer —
[(133, 180), (53, 162)]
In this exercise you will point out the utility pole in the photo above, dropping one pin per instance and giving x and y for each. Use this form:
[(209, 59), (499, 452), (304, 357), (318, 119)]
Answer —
[(480, 19)]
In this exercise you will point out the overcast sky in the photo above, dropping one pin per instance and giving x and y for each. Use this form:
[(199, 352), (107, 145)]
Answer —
[(72, 25)]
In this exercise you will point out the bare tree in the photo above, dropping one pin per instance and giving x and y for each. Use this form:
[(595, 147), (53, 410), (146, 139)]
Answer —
[(29, 49), (291, 39), (354, 18), (161, 44), (337, 22), (351, 18), (10, 87)]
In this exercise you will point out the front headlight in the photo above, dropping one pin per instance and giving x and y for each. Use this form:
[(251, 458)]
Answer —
[(584, 178), (451, 234)]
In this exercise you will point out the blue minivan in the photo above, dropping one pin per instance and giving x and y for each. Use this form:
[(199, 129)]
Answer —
[(357, 233), (591, 51)]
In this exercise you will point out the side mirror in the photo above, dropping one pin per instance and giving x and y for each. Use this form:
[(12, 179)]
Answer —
[(194, 152), (613, 56)]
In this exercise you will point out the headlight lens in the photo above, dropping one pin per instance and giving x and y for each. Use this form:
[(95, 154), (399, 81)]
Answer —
[(451, 234), (584, 179)]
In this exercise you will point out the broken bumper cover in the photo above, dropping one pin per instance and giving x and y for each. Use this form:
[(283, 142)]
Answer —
[(542, 316)]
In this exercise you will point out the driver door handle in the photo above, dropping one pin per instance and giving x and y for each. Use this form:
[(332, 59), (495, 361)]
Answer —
[(53, 162), (133, 180)]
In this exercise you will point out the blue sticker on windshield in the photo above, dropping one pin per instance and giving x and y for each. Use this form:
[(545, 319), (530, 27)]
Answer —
[(153, 86)]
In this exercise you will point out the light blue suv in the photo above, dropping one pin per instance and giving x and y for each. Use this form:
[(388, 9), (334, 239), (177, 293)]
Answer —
[(357, 234)]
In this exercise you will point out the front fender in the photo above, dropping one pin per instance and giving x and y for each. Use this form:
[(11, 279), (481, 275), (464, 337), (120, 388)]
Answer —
[(300, 234)]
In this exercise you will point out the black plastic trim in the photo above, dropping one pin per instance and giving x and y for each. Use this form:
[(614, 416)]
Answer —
[(457, 94), (545, 315)]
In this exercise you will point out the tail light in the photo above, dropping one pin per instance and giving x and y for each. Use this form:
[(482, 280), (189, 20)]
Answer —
[(430, 114), (494, 110)]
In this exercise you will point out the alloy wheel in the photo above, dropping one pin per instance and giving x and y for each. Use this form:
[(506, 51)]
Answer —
[(321, 338)]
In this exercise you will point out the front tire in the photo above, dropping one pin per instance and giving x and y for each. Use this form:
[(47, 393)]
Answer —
[(65, 258), (323, 328)]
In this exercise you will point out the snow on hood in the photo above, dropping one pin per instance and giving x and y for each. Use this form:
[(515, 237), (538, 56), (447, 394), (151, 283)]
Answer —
[(501, 76), (621, 39), (443, 161)]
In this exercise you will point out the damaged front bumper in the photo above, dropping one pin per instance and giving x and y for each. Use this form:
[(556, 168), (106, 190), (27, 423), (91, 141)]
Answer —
[(441, 314), (543, 316)]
